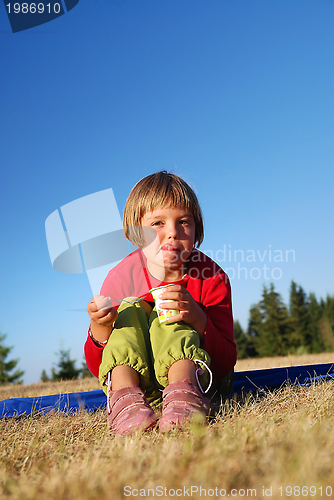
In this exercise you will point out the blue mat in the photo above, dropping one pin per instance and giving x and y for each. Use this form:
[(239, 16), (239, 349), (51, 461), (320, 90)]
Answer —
[(273, 378), (66, 403), (244, 382)]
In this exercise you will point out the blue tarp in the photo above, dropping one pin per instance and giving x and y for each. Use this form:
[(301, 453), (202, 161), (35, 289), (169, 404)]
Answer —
[(243, 382), (66, 403), (276, 377)]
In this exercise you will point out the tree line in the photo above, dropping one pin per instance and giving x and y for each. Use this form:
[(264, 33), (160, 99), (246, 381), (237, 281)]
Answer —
[(274, 329), (66, 369)]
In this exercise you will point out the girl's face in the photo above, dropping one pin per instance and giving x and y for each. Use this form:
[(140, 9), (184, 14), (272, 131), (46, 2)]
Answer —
[(169, 238)]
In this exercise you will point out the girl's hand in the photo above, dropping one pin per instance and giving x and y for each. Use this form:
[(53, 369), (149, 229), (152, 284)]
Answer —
[(101, 311), (190, 311)]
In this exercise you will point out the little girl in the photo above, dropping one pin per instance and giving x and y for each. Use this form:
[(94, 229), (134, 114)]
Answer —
[(133, 354)]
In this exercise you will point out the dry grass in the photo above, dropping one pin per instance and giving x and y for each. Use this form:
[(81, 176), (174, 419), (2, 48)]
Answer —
[(279, 361), (283, 439), (46, 388)]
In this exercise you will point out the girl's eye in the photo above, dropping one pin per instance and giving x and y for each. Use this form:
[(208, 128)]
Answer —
[(157, 223), (184, 222)]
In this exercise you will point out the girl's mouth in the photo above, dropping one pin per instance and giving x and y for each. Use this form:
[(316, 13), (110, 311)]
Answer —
[(170, 248)]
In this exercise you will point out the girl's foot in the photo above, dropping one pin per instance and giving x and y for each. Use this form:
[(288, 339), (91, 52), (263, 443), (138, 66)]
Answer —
[(182, 401), (128, 411)]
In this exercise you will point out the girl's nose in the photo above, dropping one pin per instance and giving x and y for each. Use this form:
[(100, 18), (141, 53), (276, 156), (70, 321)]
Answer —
[(172, 231)]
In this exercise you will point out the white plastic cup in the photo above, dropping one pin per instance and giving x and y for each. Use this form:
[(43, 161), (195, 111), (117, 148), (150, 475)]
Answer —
[(163, 314)]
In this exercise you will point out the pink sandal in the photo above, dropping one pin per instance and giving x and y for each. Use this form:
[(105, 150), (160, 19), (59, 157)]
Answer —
[(181, 402), (128, 411)]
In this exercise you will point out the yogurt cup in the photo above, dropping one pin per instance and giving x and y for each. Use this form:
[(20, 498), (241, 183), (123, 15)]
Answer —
[(163, 314)]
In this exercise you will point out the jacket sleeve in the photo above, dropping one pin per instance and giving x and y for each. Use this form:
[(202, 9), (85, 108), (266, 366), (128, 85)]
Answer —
[(93, 355), (219, 336)]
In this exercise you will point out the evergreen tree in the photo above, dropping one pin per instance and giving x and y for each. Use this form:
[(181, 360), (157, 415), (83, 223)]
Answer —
[(326, 333), (273, 330), (269, 325), (329, 309), (66, 367), (254, 330), (44, 376), (241, 341), (299, 319), (7, 376), (85, 373), (326, 323), (313, 329)]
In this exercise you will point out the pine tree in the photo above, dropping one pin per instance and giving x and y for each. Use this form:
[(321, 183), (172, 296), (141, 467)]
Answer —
[(315, 313), (329, 309), (44, 376), (66, 367), (241, 341), (6, 367), (269, 325), (326, 323), (326, 333), (254, 330), (299, 338), (84, 372), (272, 330)]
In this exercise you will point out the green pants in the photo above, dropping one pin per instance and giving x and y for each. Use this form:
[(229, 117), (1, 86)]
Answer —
[(139, 340)]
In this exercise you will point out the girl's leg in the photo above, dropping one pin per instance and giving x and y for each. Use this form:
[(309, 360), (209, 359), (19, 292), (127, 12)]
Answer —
[(175, 348), (124, 376), (125, 366), (181, 369), (126, 353)]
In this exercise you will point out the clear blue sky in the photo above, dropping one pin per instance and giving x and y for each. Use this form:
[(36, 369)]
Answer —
[(234, 96)]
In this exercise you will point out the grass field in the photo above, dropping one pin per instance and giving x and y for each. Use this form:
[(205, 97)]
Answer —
[(277, 446)]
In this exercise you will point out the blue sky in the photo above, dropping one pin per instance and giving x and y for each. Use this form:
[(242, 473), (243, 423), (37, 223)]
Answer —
[(234, 96)]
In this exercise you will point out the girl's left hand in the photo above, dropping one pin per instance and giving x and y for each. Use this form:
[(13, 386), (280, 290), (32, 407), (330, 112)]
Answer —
[(190, 311)]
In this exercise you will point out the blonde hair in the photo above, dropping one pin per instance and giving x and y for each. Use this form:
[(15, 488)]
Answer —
[(159, 190)]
